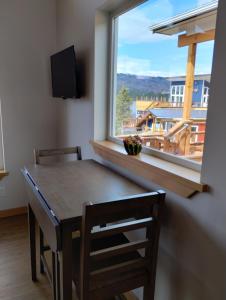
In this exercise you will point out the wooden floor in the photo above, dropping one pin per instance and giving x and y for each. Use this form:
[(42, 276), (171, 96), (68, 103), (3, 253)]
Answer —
[(15, 278)]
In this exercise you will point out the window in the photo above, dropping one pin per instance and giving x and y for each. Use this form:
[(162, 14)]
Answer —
[(205, 96), (194, 135), (162, 55), (177, 94)]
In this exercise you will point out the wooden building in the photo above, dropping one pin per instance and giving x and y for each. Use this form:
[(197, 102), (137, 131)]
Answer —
[(193, 27)]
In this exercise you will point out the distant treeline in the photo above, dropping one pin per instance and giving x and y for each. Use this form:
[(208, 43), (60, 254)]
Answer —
[(144, 86)]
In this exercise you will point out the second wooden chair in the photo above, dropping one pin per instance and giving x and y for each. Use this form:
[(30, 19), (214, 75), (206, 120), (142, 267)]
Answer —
[(38, 154), (109, 264)]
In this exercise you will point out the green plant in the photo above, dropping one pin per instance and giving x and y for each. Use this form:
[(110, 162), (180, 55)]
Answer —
[(133, 145), (123, 109)]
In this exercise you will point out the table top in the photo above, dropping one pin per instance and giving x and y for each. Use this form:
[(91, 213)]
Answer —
[(66, 186)]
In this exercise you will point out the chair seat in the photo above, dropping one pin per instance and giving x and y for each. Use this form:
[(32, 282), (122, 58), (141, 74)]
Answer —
[(98, 245)]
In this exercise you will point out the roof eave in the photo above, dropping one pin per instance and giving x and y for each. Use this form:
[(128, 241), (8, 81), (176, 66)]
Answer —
[(165, 26)]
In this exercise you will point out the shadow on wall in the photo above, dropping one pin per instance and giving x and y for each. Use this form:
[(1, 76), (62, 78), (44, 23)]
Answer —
[(191, 265)]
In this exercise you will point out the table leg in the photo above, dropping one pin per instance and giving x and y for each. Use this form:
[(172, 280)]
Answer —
[(32, 235), (41, 247), (66, 264)]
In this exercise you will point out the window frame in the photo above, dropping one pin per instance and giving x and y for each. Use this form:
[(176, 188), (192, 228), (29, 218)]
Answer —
[(196, 127), (113, 29), (177, 93), (205, 96)]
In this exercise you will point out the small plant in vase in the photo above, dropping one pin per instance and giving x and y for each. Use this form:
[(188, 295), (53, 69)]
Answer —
[(133, 145)]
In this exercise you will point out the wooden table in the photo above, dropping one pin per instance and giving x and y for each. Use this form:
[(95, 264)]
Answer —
[(56, 195)]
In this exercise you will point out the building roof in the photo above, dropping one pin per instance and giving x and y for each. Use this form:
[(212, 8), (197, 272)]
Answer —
[(194, 21), (205, 77), (177, 113)]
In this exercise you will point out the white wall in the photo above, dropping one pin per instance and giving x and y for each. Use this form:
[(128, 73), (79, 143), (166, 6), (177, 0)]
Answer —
[(27, 38), (192, 256), (75, 117)]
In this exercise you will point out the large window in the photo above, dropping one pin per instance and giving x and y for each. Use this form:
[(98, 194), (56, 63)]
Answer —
[(162, 54)]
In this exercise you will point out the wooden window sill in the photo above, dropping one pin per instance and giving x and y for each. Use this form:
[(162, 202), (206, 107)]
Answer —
[(3, 173), (178, 179)]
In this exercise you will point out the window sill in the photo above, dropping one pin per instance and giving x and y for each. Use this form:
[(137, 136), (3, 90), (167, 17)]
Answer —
[(180, 180), (3, 174)]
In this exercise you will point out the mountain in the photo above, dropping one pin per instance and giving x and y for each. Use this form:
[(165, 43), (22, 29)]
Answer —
[(143, 86)]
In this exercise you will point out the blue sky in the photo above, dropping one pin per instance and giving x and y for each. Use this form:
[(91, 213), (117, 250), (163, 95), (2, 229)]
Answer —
[(143, 53)]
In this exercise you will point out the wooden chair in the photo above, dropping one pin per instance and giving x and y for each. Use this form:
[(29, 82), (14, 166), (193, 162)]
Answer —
[(38, 154), (109, 264)]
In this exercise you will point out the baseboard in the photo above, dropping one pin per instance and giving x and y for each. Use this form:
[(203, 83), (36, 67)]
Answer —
[(13, 212)]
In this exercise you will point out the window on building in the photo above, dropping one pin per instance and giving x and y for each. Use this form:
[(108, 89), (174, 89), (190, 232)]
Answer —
[(177, 94), (161, 68), (194, 133), (205, 96)]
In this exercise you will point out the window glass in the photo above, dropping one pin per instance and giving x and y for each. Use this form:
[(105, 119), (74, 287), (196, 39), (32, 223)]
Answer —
[(163, 63), (182, 90)]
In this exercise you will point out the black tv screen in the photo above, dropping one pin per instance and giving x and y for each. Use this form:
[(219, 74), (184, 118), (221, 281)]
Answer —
[(64, 79)]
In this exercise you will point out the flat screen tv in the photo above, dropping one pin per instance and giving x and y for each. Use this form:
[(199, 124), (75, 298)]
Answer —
[(64, 78)]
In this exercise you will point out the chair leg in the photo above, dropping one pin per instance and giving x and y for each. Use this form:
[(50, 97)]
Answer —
[(41, 245), (148, 292), (57, 276), (54, 286)]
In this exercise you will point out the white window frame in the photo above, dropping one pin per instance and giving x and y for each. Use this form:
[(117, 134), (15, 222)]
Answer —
[(205, 97), (177, 88), (112, 93), (196, 127)]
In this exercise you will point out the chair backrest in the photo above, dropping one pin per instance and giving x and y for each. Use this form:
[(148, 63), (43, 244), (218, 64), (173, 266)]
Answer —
[(121, 216), (56, 152)]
